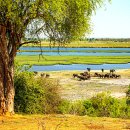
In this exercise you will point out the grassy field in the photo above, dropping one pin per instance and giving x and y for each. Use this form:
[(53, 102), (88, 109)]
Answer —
[(52, 60), (100, 44), (62, 122)]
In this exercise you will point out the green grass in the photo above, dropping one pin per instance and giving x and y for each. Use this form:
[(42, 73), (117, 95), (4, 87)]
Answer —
[(98, 44), (52, 60)]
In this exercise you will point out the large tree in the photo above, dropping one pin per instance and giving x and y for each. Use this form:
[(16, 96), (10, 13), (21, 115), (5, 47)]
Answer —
[(60, 20)]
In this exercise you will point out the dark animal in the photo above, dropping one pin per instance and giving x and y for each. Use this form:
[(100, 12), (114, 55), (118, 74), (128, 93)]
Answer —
[(75, 75), (47, 76), (35, 72), (117, 76), (96, 74), (107, 75), (99, 75), (86, 73), (82, 78), (43, 74)]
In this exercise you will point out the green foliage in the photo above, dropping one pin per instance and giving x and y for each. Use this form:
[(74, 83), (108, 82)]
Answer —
[(77, 108), (61, 20), (128, 96), (101, 105), (89, 108), (105, 105), (35, 95), (64, 107), (68, 107)]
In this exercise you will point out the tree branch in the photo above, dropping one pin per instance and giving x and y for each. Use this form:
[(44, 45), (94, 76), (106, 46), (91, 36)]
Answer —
[(28, 42)]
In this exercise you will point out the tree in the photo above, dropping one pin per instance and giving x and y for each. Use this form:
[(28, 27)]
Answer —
[(60, 20)]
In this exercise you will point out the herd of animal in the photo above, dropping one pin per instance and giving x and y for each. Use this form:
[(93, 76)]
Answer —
[(43, 75), (86, 75)]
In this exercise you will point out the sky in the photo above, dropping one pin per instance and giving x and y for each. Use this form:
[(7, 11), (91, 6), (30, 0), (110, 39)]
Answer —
[(112, 20)]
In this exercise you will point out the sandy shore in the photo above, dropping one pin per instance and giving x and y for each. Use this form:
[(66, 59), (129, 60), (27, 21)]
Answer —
[(73, 89)]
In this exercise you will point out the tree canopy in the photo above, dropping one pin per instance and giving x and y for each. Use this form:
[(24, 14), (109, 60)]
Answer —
[(60, 20)]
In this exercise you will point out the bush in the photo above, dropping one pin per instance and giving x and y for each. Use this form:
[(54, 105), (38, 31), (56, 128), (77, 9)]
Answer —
[(128, 96), (77, 108), (64, 107), (105, 105), (35, 95), (89, 108)]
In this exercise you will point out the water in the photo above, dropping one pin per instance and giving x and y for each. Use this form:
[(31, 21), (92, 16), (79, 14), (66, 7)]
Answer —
[(75, 53), (69, 49), (79, 67)]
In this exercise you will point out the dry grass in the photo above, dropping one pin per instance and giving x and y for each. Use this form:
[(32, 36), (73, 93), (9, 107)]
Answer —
[(62, 122), (99, 44)]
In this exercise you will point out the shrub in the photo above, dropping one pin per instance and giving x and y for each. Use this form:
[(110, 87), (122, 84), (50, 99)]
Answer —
[(105, 105), (128, 96), (64, 107), (35, 95), (89, 108), (77, 108)]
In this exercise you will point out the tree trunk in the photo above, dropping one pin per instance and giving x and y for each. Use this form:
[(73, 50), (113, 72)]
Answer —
[(7, 90), (7, 53)]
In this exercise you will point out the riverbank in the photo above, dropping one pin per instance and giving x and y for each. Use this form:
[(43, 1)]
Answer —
[(73, 89)]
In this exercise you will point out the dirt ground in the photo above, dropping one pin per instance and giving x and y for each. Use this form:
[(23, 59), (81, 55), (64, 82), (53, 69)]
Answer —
[(73, 89)]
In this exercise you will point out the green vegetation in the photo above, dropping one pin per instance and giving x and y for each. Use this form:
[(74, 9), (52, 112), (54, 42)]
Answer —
[(35, 95), (52, 60), (128, 96), (100, 105), (62, 21), (98, 44)]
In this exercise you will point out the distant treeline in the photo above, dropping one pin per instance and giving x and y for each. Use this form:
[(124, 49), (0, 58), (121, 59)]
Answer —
[(106, 39)]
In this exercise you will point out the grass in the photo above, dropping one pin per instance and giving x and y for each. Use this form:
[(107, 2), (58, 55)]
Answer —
[(62, 122), (52, 60), (99, 44)]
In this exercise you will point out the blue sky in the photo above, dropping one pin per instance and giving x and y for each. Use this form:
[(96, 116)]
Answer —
[(112, 20)]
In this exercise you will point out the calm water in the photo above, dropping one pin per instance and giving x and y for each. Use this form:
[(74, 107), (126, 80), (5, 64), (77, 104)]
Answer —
[(79, 67), (75, 49), (75, 53)]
